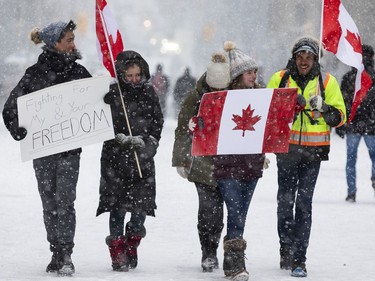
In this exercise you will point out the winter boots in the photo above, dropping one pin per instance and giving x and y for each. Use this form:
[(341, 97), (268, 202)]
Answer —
[(350, 198), (67, 268), (116, 245), (132, 243), (209, 245), (54, 264), (234, 259), (123, 249), (298, 268), (61, 262)]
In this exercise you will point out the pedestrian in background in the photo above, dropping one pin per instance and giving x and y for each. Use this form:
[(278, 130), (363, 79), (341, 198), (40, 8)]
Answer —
[(183, 86), (362, 125), (160, 82)]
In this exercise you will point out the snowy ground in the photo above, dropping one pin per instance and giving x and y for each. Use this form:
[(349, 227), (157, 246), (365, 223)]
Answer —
[(342, 245)]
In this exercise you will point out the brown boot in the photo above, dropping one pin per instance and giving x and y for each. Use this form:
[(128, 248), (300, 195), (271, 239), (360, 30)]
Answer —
[(234, 257), (116, 245)]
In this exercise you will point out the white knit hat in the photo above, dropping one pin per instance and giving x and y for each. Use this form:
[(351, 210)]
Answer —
[(239, 61), (217, 75)]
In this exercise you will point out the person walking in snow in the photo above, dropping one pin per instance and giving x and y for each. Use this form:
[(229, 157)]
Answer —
[(309, 144), (122, 189), (57, 174), (237, 175), (184, 85), (363, 124), (160, 82), (199, 169)]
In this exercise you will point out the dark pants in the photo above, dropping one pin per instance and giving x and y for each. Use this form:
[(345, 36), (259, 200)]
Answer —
[(297, 177), (135, 226), (210, 218), (57, 177)]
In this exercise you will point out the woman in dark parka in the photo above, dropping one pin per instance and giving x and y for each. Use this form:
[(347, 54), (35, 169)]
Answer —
[(122, 189)]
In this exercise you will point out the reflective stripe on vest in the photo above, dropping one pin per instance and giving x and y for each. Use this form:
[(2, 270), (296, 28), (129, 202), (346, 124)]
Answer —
[(309, 139), (316, 135)]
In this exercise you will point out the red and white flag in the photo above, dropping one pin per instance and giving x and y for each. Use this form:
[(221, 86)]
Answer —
[(109, 40), (245, 122), (341, 37)]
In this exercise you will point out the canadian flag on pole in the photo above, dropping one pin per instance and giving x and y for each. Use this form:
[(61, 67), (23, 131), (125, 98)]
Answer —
[(341, 37), (109, 40), (245, 122)]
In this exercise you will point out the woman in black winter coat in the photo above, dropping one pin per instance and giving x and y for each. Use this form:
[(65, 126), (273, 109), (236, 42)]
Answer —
[(57, 174), (123, 189)]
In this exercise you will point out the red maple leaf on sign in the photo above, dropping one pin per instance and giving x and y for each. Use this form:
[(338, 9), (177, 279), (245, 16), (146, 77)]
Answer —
[(246, 121), (354, 41)]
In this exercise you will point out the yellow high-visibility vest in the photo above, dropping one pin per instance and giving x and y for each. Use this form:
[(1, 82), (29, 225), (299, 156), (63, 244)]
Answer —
[(305, 132)]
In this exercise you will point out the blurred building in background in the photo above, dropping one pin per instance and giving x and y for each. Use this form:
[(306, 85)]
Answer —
[(176, 34)]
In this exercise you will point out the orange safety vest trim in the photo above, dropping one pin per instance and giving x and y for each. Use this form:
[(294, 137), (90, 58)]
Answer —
[(309, 138)]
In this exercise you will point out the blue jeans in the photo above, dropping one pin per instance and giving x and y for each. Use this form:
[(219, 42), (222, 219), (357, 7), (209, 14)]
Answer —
[(237, 196), (297, 176), (352, 143)]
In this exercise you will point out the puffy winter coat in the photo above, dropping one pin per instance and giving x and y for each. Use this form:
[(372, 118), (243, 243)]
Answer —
[(121, 187), (52, 68), (201, 167)]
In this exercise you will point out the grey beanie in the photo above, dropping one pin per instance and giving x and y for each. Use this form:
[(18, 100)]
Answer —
[(239, 62), (306, 44), (217, 75), (52, 32)]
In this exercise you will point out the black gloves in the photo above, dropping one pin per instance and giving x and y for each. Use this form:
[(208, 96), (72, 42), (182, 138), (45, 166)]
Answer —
[(131, 142), (340, 131), (19, 134), (301, 103), (109, 97)]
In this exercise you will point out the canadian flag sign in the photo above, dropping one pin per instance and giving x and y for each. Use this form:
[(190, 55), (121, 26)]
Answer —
[(245, 122), (109, 40), (341, 37)]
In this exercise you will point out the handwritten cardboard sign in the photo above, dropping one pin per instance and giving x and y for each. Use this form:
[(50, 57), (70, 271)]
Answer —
[(65, 117)]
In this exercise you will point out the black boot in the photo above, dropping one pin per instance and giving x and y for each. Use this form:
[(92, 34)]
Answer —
[(67, 266), (234, 259), (209, 245), (55, 263)]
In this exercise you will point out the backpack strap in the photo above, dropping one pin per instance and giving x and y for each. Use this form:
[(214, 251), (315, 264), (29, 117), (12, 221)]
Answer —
[(284, 78)]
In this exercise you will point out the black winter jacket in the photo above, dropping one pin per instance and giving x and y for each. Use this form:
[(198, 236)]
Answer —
[(52, 68), (364, 120), (121, 188)]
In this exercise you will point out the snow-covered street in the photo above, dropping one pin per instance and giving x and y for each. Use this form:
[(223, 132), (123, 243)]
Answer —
[(342, 244)]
